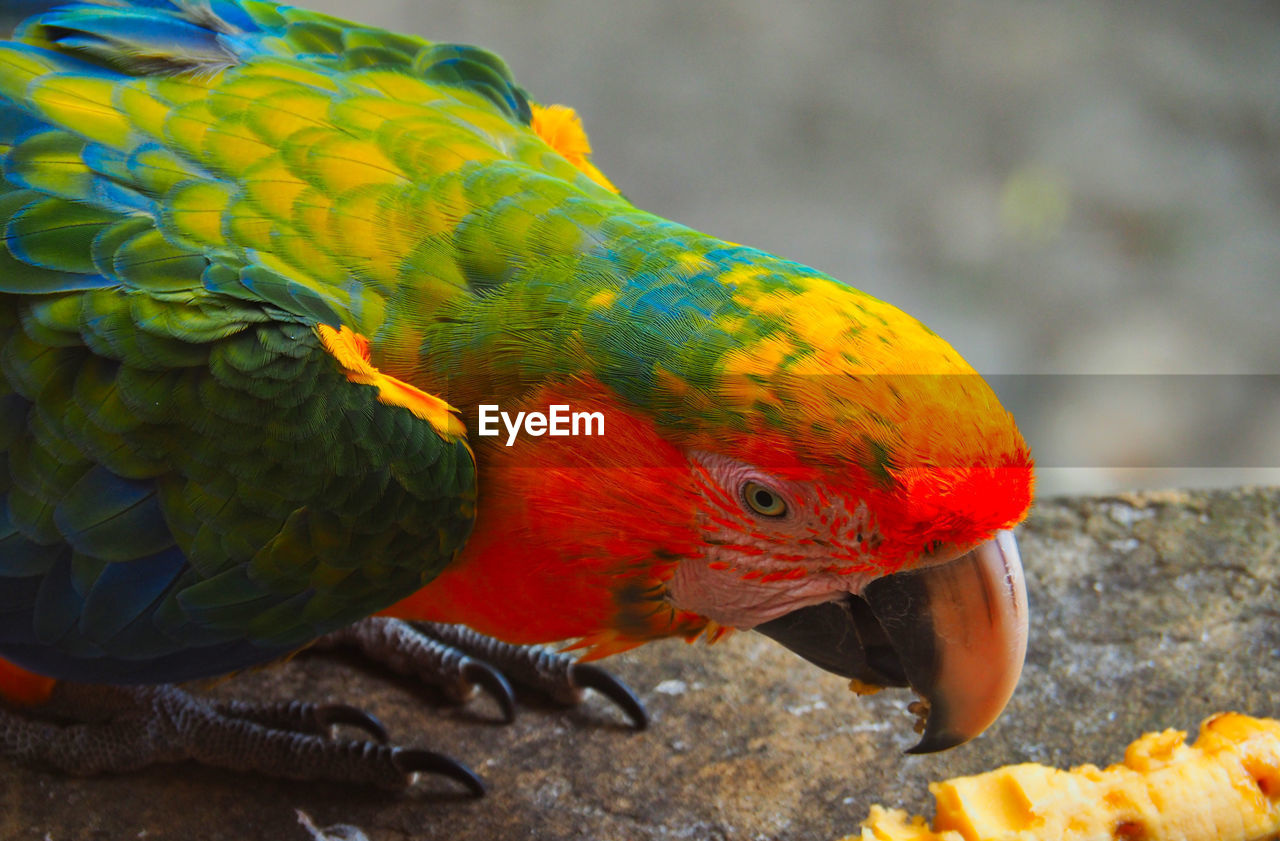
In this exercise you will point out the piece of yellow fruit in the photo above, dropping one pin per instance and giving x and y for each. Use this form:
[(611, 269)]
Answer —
[(1225, 787)]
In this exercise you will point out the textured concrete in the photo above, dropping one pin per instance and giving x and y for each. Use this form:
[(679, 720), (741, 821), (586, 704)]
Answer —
[(1148, 611)]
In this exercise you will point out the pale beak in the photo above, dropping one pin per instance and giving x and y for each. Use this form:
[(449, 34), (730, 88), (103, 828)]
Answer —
[(955, 632)]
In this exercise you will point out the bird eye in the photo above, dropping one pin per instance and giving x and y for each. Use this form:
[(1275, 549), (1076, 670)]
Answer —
[(763, 500)]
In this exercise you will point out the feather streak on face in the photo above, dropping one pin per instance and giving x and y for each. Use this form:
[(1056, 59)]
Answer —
[(760, 531)]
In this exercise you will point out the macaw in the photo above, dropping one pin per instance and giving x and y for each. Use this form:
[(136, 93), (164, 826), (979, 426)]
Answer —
[(263, 272)]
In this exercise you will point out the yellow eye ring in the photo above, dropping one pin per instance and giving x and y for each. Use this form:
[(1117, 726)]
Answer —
[(763, 500)]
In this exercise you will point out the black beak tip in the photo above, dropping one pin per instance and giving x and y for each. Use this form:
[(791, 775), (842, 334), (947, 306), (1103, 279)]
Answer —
[(932, 742)]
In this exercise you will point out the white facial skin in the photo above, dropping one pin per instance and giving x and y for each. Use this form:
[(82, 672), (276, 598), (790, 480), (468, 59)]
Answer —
[(799, 547), (811, 549)]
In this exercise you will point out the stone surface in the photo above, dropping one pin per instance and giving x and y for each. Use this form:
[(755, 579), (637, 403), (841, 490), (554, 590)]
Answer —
[(1148, 611)]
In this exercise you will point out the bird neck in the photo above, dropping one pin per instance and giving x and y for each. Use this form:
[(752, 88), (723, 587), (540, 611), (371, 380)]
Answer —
[(574, 537)]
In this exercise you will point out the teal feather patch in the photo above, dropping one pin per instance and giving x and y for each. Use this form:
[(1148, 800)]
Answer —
[(58, 603), (290, 296), (146, 172), (20, 278), (50, 162), (125, 591), (107, 327), (148, 262), (109, 241), (312, 36), (16, 123), (31, 368), (107, 516), (279, 626), (196, 321), (63, 271), (13, 417), (477, 70), (20, 557), (55, 234), (53, 320), (231, 599)]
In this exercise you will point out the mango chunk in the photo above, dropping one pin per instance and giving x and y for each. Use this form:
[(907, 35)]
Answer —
[(1224, 787)]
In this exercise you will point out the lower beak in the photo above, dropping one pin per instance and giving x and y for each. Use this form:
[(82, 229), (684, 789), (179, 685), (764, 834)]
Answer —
[(955, 632)]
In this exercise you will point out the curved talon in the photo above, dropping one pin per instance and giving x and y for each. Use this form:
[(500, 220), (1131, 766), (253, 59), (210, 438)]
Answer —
[(331, 715), (415, 761), (492, 681), (588, 676)]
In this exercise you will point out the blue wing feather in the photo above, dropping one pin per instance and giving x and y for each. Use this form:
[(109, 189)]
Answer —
[(126, 591)]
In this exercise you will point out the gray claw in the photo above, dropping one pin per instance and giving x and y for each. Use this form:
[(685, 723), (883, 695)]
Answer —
[(331, 715), (492, 681), (588, 676), (413, 761)]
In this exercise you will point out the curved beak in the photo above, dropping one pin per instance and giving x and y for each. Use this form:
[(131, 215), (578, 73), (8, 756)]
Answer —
[(955, 632)]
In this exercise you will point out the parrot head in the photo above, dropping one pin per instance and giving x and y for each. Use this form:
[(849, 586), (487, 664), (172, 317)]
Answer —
[(836, 477)]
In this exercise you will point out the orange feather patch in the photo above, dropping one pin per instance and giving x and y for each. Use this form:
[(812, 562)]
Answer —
[(352, 352), (24, 688), (560, 127)]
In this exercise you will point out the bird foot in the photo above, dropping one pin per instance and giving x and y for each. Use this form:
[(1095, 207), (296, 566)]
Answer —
[(88, 730), (457, 659)]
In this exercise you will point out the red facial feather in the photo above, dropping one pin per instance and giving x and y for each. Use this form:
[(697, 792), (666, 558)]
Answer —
[(572, 537), (576, 537)]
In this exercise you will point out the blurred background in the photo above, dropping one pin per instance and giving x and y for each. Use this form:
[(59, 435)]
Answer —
[(1084, 197)]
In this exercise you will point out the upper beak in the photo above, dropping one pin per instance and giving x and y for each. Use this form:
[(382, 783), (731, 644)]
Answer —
[(955, 632)]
